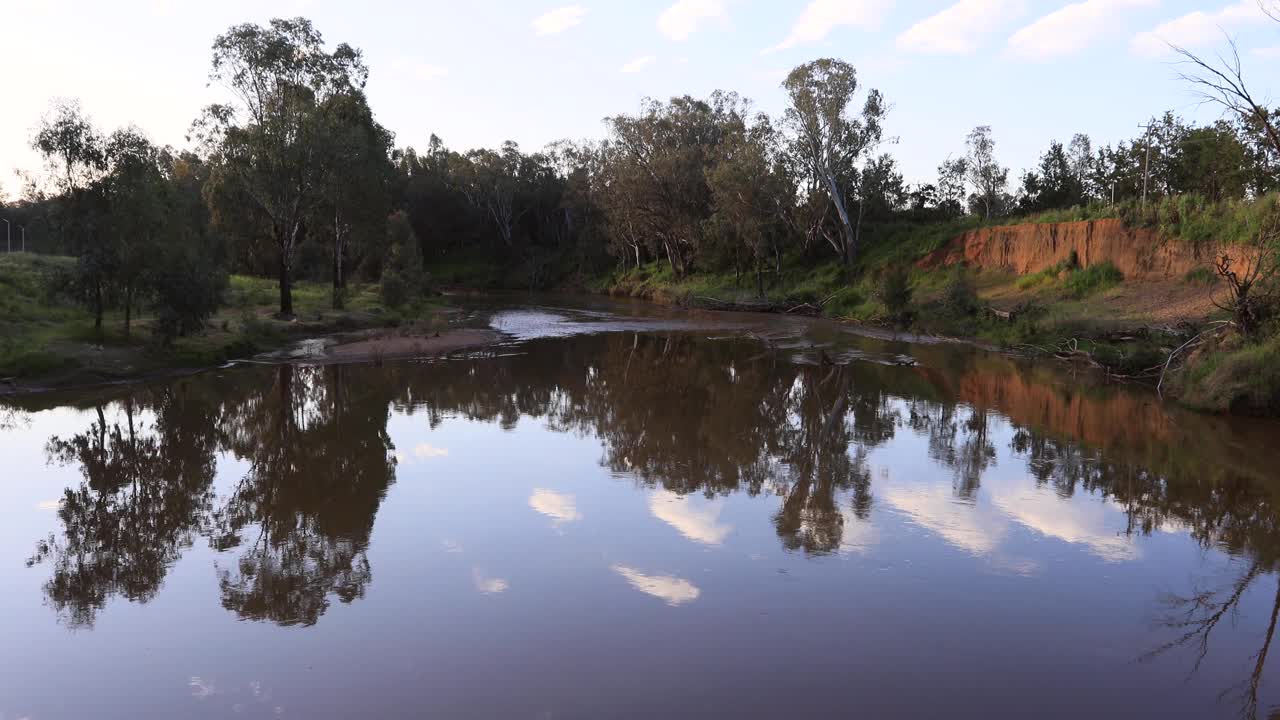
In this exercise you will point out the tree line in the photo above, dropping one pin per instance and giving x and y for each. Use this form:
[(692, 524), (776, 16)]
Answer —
[(293, 177)]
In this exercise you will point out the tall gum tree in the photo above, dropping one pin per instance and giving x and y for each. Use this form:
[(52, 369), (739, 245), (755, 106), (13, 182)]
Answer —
[(355, 188), (828, 140), (268, 139)]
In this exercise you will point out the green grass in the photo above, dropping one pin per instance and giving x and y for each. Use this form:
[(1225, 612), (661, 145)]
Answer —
[(1046, 276), (1083, 282), (29, 318), (1193, 219), (1236, 376), (1200, 276), (44, 334)]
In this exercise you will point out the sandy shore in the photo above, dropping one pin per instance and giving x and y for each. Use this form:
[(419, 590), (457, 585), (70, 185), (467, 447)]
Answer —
[(389, 344)]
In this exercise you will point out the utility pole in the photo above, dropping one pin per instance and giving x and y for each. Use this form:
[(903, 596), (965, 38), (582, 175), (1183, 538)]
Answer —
[(1146, 165), (23, 228)]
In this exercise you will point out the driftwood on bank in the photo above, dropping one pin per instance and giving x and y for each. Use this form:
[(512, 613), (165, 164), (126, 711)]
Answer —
[(761, 306)]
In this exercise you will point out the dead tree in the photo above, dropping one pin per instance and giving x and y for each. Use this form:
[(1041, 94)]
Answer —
[(1250, 281), (1220, 81)]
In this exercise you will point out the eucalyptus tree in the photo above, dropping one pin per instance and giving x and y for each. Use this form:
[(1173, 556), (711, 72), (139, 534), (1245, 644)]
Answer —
[(661, 157), (75, 150), (268, 138), (580, 171), (828, 140), (951, 186), (137, 201), (355, 186), (984, 173), (753, 192), (493, 181), (1054, 183)]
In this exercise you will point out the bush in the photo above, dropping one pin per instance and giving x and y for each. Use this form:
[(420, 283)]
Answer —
[(186, 292), (1049, 274), (402, 277), (393, 289), (894, 291), (1200, 276), (1235, 376), (959, 295), (1081, 283)]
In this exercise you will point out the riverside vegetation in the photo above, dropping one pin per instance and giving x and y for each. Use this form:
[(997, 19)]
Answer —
[(698, 201)]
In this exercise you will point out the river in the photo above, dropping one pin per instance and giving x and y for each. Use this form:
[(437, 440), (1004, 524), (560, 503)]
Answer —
[(627, 511)]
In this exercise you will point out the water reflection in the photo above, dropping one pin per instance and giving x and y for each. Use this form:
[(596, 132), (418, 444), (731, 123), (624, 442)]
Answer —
[(320, 463), (689, 420), (146, 493)]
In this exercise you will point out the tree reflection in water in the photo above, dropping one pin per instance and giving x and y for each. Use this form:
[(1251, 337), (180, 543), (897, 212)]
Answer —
[(321, 462), (674, 411)]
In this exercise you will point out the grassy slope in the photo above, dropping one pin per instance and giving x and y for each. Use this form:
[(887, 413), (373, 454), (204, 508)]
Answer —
[(46, 338), (1089, 308)]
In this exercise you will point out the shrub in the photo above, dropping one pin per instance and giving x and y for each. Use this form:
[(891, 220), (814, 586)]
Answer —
[(1049, 274), (894, 291), (402, 277), (1242, 378), (186, 292), (1081, 283), (959, 295), (1200, 276), (393, 289)]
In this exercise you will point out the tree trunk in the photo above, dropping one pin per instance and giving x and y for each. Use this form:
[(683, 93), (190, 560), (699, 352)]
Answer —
[(286, 289), (128, 309), (857, 233), (338, 282), (846, 227), (97, 305), (671, 260)]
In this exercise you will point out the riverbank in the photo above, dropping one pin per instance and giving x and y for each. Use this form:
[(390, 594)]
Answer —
[(46, 342), (1132, 303)]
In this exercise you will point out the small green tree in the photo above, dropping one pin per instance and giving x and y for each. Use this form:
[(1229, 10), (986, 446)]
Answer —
[(894, 291), (402, 276)]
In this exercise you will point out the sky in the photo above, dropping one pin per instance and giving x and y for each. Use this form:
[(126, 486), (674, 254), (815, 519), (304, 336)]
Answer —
[(479, 72)]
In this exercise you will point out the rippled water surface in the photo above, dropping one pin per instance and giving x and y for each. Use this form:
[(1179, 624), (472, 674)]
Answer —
[(629, 512)]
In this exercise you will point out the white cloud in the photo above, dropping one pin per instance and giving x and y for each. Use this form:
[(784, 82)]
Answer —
[(487, 585), (681, 19), (639, 64), (47, 505), (820, 17), (1071, 28), (424, 451), (201, 688), (558, 20), (1195, 29), (959, 28), (1079, 523), (560, 507), (698, 522), (673, 590), (427, 71), (976, 530), (1267, 52)]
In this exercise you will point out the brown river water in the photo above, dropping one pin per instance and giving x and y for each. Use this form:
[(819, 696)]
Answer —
[(624, 511)]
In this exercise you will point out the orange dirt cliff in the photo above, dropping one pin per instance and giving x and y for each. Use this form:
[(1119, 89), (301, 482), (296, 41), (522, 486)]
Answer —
[(1139, 253)]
